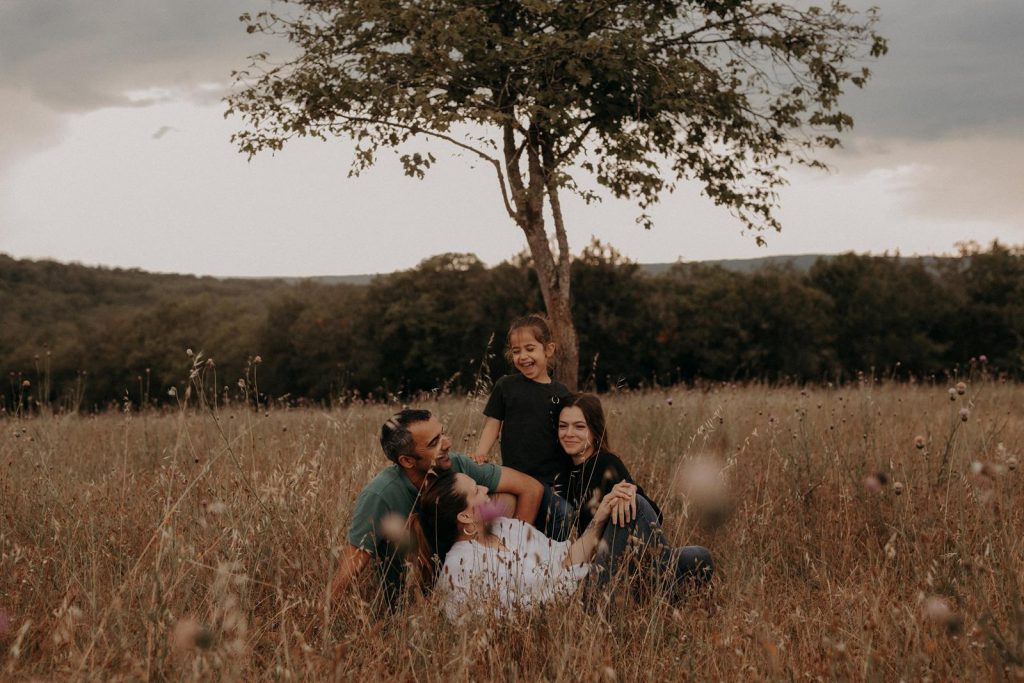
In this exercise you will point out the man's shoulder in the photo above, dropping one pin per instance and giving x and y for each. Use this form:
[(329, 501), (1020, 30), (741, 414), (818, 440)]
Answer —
[(465, 464), (487, 473), (389, 483)]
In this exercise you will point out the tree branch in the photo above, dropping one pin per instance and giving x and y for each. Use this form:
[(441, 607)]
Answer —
[(416, 130)]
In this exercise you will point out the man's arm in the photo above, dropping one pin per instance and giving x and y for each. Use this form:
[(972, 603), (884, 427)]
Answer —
[(527, 490), (353, 562)]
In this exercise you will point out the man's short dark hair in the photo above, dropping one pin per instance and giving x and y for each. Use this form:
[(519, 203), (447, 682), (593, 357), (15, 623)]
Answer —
[(395, 437)]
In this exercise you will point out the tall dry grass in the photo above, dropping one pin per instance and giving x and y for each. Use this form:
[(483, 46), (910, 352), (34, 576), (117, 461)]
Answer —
[(198, 545)]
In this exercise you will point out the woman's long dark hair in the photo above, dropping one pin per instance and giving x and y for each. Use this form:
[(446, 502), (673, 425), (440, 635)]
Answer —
[(440, 505), (593, 414)]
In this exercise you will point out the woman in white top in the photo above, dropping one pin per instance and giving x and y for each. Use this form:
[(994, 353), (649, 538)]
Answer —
[(496, 564)]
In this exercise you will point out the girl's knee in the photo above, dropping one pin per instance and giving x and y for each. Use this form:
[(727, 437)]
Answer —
[(696, 562)]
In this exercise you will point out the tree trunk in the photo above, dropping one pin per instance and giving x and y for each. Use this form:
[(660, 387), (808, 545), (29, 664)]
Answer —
[(557, 302), (553, 276)]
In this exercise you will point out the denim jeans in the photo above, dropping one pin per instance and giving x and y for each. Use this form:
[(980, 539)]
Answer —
[(673, 566), (555, 516)]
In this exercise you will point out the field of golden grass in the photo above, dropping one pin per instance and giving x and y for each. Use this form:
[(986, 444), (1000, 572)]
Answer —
[(197, 545)]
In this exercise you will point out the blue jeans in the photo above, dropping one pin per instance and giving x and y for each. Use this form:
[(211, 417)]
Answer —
[(674, 567), (555, 516)]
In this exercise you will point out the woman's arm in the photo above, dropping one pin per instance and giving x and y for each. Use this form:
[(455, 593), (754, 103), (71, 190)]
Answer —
[(583, 549), (488, 437)]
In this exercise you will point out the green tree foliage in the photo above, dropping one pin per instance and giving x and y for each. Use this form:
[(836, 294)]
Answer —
[(638, 96), (887, 311), (989, 319), (92, 338)]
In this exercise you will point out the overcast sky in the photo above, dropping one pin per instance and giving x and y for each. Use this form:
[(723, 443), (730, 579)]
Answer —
[(114, 150)]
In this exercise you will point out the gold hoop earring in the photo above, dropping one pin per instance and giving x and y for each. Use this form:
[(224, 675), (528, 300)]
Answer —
[(474, 532)]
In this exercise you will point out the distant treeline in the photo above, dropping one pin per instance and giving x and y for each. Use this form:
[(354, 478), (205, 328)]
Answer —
[(89, 338)]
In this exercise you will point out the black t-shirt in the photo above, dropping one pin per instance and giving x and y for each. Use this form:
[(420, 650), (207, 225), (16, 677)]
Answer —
[(600, 473), (528, 412)]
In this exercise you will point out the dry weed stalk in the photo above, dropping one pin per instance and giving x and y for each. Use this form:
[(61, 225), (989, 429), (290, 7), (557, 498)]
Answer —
[(124, 543)]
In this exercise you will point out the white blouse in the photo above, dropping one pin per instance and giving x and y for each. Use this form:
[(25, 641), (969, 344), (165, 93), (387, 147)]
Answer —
[(527, 572)]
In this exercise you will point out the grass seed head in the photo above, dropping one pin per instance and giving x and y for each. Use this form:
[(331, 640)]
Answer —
[(938, 611), (188, 634), (701, 482), (875, 482), (393, 528)]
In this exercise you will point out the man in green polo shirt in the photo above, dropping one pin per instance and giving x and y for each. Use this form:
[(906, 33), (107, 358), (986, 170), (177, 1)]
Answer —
[(415, 442)]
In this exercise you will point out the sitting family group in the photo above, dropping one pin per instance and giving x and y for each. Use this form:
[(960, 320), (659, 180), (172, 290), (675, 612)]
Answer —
[(500, 535)]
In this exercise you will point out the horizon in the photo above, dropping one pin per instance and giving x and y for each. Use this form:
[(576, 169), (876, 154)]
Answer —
[(315, 276)]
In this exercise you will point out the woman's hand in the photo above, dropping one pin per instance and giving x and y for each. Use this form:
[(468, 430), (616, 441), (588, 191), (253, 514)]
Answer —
[(619, 504)]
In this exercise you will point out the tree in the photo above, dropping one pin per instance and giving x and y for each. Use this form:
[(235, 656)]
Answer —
[(636, 95)]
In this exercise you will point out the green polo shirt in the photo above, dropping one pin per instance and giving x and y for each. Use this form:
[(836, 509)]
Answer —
[(391, 492)]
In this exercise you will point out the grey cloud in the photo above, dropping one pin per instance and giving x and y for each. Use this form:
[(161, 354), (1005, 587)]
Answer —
[(78, 56), (952, 67)]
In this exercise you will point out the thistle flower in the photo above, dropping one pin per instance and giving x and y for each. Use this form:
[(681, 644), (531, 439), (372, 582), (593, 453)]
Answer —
[(964, 414), (897, 488), (919, 442), (961, 388), (952, 394)]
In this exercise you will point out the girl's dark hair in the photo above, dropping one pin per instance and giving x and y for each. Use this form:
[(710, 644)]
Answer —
[(440, 505), (593, 414), (534, 322)]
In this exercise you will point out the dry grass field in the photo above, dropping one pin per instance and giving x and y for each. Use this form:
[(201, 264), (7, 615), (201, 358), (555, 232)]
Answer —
[(197, 544)]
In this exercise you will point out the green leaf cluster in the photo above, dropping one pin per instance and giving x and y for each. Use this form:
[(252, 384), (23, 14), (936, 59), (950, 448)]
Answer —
[(94, 338)]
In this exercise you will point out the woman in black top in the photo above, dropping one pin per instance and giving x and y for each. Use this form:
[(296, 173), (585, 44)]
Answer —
[(596, 470)]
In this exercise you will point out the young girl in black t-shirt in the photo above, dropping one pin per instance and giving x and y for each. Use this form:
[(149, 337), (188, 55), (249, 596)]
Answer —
[(524, 406)]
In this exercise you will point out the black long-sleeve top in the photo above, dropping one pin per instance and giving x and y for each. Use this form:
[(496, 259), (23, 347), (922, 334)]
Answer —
[(590, 481)]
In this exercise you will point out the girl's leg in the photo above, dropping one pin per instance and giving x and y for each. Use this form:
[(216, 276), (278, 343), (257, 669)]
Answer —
[(673, 565), (555, 515), (611, 551)]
